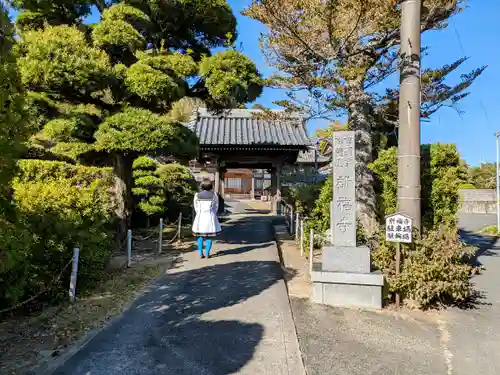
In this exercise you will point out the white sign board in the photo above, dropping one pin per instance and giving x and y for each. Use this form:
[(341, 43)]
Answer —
[(398, 228)]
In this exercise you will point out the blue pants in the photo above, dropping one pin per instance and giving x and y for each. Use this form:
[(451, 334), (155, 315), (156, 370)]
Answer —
[(208, 242)]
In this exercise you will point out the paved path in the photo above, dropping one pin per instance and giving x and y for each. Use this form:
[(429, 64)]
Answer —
[(225, 315), (474, 334), (455, 341)]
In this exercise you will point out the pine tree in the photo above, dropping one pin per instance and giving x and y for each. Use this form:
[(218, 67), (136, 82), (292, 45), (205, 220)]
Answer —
[(335, 51), (101, 94)]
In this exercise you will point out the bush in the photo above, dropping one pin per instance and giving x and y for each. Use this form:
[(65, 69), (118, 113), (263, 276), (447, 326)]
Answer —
[(148, 187), (442, 174), (75, 175), (303, 197), (180, 188), (54, 216), (435, 269)]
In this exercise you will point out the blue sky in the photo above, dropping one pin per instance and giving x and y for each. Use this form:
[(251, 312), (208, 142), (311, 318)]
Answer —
[(476, 33)]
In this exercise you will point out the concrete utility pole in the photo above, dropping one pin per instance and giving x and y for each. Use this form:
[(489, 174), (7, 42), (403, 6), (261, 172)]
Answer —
[(498, 182), (409, 113)]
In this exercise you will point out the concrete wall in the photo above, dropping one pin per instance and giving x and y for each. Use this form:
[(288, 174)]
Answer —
[(477, 201)]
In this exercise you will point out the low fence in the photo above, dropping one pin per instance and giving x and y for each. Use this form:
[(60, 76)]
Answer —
[(129, 245), (478, 201), (296, 224)]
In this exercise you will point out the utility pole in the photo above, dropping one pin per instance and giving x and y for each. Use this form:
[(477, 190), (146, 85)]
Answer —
[(409, 113), (498, 182)]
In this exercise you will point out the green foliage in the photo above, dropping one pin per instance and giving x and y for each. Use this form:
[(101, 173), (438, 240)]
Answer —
[(230, 78), (148, 187), (198, 25), (58, 58), (385, 169), (160, 79), (180, 188), (75, 175), (435, 269), (484, 176), (140, 131), (442, 174), (183, 109), (491, 230), (60, 207), (303, 197), (97, 97), (13, 129), (36, 13), (117, 33)]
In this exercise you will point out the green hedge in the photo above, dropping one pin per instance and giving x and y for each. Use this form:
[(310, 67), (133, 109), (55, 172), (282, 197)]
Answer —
[(59, 206), (435, 269)]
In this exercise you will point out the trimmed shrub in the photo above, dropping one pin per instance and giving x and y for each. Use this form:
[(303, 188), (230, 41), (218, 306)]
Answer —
[(435, 268), (442, 174), (55, 214), (148, 187), (180, 188)]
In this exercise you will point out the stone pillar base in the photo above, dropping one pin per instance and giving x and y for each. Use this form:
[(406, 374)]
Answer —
[(343, 289), (344, 279)]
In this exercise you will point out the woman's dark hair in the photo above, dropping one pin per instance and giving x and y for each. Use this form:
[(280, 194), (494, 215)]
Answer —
[(207, 185)]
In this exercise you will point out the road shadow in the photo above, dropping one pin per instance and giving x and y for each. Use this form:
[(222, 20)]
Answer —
[(485, 245), (257, 211), (241, 249), (164, 333), (247, 229)]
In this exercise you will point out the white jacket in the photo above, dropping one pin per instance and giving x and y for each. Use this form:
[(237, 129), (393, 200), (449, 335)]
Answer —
[(206, 223)]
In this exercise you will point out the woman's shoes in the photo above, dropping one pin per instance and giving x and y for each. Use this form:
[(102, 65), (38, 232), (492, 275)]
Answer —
[(202, 256)]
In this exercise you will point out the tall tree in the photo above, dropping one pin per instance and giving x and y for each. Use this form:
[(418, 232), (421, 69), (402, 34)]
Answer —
[(13, 129), (336, 51), (483, 176), (105, 92)]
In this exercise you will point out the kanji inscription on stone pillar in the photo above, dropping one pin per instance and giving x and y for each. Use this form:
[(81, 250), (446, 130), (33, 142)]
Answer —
[(343, 225)]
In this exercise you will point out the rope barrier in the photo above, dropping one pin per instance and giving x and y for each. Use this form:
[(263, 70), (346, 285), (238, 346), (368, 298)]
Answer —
[(122, 245), (42, 291)]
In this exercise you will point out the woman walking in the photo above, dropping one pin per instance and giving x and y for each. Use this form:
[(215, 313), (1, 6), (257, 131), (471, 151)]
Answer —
[(206, 224)]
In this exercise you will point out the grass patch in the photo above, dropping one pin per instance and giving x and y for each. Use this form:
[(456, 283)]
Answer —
[(491, 230), (28, 342)]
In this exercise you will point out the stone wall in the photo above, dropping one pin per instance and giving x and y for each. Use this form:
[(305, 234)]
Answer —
[(478, 201)]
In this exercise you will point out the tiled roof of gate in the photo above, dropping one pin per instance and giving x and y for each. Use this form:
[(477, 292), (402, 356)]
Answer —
[(239, 127)]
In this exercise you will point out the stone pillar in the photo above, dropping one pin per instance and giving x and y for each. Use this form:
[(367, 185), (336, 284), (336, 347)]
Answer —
[(217, 179), (222, 183), (277, 194), (276, 190), (252, 193), (272, 191), (345, 278)]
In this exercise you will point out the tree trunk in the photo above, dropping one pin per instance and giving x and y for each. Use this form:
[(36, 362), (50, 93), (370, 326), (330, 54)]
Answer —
[(123, 192), (360, 121)]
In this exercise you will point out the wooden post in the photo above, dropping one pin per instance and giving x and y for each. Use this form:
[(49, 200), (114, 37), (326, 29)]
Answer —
[(297, 223), (311, 249), (302, 237), (398, 263), (160, 236), (179, 226), (74, 274), (129, 247)]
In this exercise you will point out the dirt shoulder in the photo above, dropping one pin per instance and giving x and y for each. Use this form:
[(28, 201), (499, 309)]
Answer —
[(31, 344)]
